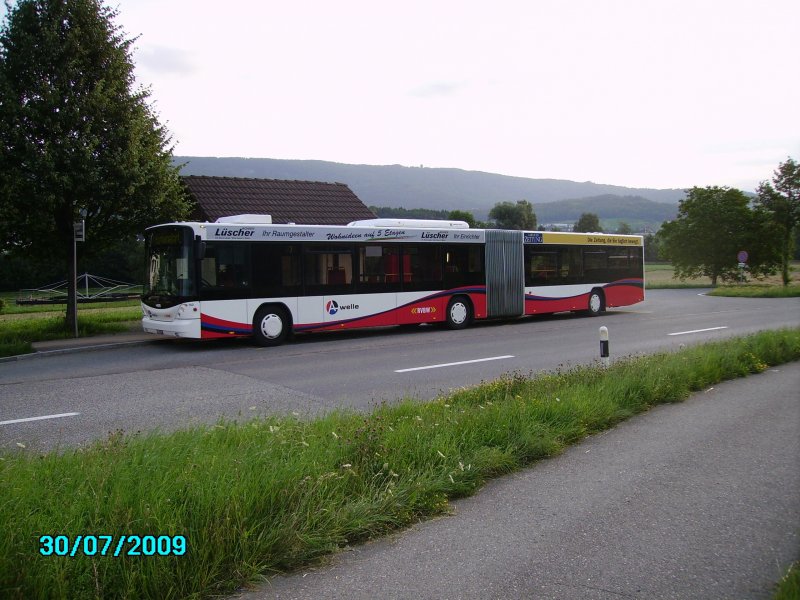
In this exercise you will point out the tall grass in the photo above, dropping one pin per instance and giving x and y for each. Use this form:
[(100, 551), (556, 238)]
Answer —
[(272, 494), (18, 333), (788, 587)]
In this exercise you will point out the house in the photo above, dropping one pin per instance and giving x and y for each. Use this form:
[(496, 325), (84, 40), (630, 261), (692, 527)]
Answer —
[(306, 202)]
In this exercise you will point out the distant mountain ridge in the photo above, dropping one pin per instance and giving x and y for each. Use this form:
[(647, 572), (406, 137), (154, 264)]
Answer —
[(638, 212), (554, 200)]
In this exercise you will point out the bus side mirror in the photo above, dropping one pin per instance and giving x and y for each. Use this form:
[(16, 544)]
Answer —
[(199, 249)]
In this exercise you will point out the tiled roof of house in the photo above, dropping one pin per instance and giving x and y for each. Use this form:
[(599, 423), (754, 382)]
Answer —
[(306, 202)]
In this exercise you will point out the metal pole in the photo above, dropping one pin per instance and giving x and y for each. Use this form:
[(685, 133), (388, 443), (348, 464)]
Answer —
[(75, 287), (604, 353)]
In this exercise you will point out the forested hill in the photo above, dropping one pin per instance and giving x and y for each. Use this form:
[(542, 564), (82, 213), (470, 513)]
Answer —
[(418, 187), (638, 212)]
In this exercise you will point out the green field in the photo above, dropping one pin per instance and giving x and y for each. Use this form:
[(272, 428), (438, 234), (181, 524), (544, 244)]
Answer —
[(662, 275), (21, 325)]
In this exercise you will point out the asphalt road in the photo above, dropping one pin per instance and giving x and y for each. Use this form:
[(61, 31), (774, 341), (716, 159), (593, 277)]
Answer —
[(693, 500), (77, 398)]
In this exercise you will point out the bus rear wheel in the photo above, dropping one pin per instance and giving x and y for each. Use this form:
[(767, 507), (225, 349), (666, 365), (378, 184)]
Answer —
[(597, 303), (271, 325), (459, 313)]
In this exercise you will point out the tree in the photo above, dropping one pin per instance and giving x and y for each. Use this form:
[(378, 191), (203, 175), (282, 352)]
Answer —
[(781, 200), (587, 222), (75, 138), (408, 213), (651, 247), (507, 215), (463, 215), (713, 225), (624, 229)]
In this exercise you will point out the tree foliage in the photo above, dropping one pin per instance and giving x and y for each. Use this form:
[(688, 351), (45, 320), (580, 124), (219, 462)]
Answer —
[(463, 215), (652, 250), (624, 229), (781, 201), (76, 138), (389, 212), (510, 215), (426, 213), (587, 222), (713, 225)]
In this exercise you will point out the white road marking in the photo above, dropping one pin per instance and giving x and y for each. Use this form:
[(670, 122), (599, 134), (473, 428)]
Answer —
[(11, 422), (454, 364), (698, 330)]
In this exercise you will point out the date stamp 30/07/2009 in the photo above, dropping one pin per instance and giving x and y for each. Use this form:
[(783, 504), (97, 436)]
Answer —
[(111, 545)]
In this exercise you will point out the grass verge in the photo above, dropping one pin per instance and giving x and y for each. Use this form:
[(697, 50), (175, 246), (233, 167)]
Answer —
[(789, 586), (659, 276), (272, 494), (18, 333), (757, 291)]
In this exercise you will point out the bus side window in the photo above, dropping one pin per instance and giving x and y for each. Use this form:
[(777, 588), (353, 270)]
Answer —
[(636, 262), (618, 259), (226, 265), (625, 261), (209, 271), (328, 271), (463, 265), (594, 260), (542, 267), (422, 267), (276, 269), (571, 264), (379, 267)]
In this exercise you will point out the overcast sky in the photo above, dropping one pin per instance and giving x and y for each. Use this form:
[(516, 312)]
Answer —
[(650, 93)]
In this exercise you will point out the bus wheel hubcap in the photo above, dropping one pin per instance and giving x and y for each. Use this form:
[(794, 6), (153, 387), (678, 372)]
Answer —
[(458, 312), (271, 326), (594, 303)]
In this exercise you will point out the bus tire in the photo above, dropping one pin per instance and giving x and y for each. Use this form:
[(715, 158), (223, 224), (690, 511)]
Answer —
[(459, 312), (271, 325), (597, 303)]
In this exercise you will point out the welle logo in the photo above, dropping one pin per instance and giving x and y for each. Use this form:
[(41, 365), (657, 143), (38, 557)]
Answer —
[(332, 307)]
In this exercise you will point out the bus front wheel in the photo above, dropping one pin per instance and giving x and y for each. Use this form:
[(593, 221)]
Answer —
[(459, 313), (271, 325)]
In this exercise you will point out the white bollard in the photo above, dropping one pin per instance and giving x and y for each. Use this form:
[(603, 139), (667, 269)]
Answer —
[(604, 357)]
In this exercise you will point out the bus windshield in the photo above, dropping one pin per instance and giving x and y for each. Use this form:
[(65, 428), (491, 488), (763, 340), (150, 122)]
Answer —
[(170, 266)]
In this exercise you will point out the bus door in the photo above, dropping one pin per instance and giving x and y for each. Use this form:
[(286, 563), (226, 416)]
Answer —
[(225, 285), (329, 285)]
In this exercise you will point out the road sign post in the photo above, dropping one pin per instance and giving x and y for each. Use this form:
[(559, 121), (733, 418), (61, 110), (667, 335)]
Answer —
[(79, 235), (742, 257)]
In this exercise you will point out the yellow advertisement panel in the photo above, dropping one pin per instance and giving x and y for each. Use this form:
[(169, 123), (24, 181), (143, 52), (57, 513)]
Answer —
[(608, 239)]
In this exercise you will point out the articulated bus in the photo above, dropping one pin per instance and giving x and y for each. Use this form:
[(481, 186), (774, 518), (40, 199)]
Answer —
[(243, 276)]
